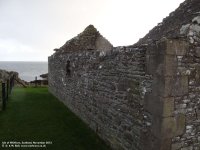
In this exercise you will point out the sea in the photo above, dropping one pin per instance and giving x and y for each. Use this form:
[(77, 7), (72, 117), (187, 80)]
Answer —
[(27, 70)]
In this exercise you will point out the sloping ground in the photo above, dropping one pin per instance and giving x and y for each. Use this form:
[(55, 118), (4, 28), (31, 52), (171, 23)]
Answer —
[(33, 114)]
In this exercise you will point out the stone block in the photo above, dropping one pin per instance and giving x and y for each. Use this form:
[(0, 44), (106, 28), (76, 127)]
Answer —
[(170, 86), (153, 104), (159, 106), (168, 107), (158, 86), (188, 148), (176, 86), (103, 44), (168, 127), (150, 64), (157, 126), (150, 142), (180, 124), (177, 47), (162, 46), (173, 126), (161, 64), (173, 47), (153, 62), (152, 50), (165, 144), (170, 65)]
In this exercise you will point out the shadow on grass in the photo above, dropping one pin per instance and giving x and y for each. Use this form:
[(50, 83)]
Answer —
[(33, 114)]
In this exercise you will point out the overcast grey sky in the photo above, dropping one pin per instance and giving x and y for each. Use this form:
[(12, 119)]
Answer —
[(31, 29)]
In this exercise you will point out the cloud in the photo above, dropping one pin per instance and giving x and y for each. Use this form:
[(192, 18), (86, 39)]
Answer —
[(30, 30), (11, 49)]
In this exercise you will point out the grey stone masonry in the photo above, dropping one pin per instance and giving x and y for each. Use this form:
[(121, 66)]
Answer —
[(5, 77), (144, 97), (169, 83), (104, 89)]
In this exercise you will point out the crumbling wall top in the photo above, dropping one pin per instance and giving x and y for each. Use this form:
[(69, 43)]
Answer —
[(89, 39)]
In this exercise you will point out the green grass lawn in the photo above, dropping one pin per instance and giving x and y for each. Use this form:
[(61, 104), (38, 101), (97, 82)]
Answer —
[(33, 114)]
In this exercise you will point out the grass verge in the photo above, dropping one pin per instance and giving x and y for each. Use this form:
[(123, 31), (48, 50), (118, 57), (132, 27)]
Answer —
[(33, 114)]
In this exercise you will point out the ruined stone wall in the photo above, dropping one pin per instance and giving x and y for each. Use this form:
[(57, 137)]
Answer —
[(106, 90), (170, 82), (7, 78), (144, 98), (174, 100), (189, 104), (3, 78)]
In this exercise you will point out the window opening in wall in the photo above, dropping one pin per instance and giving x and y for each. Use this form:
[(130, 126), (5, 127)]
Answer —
[(68, 70)]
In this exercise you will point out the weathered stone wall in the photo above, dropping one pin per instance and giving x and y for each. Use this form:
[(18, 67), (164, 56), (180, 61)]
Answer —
[(141, 98), (189, 104), (170, 82), (106, 90), (5, 77), (174, 100)]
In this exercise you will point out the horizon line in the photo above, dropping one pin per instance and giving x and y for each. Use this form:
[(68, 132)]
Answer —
[(22, 61)]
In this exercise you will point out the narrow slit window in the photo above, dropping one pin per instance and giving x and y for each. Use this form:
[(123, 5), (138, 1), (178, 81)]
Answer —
[(68, 70)]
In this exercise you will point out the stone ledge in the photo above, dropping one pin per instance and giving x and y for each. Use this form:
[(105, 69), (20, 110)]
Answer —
[(170, 86), (177, 47), (159, 106), (165, 128)]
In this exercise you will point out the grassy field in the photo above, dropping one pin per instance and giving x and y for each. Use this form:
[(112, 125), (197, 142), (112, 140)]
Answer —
[(33, 114)]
